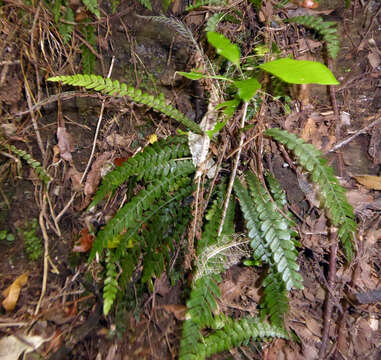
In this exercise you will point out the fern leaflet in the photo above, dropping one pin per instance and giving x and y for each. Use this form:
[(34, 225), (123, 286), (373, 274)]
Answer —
[(111, 283), (34, 164), (115, 88), (332, 193), (157, 160), (327, 29)]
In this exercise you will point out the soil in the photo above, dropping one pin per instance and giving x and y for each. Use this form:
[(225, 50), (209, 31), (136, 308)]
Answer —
[(344, 124)]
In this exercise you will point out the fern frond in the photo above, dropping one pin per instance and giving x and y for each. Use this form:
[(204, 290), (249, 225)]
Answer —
[(174, 24), (129, 218), (93, 7), (66, 29), (163, 231), (273, 238), (235, 333), (327, 29), (34, 164), (146, 4), (160, 159), (252, 223), (331, 192), (111, 283), (275, 300), (115, 88)]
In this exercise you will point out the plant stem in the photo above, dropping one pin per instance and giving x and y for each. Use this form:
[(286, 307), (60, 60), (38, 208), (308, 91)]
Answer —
[(236, 163)]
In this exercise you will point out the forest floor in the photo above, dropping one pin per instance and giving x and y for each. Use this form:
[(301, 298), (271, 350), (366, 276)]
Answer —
[(56, 302)]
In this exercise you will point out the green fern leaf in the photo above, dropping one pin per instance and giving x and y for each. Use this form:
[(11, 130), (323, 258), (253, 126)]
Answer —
[(235, 333), (327, 29), (107, 86), (160, 159), (333, 195), (252, 223), (275, 300), (93, 7), (129, 218), (275, 235), (111, 283), (34, 164)]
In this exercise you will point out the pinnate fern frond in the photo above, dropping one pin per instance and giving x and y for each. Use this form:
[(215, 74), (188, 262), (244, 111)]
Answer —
[(275, 301), (111, 283), (332, 193), (160, 159), (235, 333), (115, 88), (34, 164), (327, 29), (276, 233), (129, 218)]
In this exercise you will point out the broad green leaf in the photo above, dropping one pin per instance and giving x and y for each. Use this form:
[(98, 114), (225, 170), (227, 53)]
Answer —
[(229, 106), (247, 88), (224, 47), (300, 71), (193, 75)]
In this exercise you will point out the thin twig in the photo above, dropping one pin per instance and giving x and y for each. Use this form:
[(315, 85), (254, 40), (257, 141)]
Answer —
[(235, 167), (328, 306), (98, 127), (349, 139), (46, 253), (34, 121)]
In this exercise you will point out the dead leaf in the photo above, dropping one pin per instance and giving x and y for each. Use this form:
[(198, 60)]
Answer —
[(12, 293), (374, 60), (85, 241), (75, 176), (11, 347), (178, 311), (65, 144), (95, 174), (369, 181)]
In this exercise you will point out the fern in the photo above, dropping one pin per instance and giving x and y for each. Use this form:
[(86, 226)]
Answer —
[(275, 236), (332, 194), (115, 88), (111, 283), (275, 301), (235, 333), (34, 164), (88, 58), (159, 159), (174, 24), (327, 29), (66, 29), (126, 223), (93, 7)]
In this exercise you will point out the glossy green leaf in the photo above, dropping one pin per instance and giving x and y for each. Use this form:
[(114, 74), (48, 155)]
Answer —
[(247, 88), (300, 71), (193, 75), (229, 106), (224, 47)]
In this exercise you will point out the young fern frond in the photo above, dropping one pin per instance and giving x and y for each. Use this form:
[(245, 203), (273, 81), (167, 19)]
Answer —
[(236, 332), (327, 29), (160, 159), (174, 24), (115, 88), (331, 192), (34, 164)]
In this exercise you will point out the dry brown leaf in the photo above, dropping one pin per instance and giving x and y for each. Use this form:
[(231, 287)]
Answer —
[(64, 143), (178, 311), (75, 177), (85, 242), (95, 173), (12, 292), (369, 181), (11, 347)]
